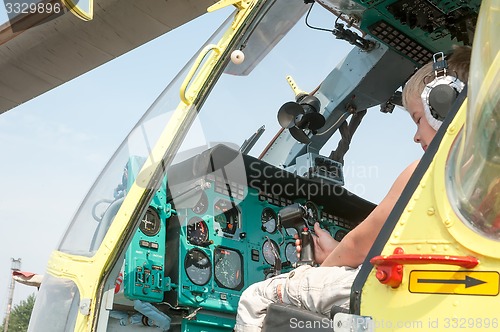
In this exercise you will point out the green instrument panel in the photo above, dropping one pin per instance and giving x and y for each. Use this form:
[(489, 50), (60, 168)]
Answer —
[(205, 237), (234, 243), (144, 277)]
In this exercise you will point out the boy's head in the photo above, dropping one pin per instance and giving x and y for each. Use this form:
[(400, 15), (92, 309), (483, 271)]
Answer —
[(427, 124)]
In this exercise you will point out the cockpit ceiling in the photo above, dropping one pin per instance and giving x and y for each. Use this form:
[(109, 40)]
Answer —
[(38, 53), (414, 28)]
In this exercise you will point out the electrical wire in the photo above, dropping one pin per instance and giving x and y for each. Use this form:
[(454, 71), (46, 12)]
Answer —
[(333, 125), (312, 27)]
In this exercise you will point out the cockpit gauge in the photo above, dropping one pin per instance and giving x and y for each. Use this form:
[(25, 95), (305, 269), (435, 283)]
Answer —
[(202, 204), (269, 249), (312, 213), (197, 231), (291, 253), (291, 231), (269, 220), (228, 267), (150, 224), (227, 216), (198, 267)]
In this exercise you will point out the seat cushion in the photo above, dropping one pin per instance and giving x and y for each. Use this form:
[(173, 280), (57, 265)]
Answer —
[(284, 318)]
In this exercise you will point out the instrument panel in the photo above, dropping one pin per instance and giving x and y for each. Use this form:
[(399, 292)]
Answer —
[(144, 277), (228, 243), (206, 245)]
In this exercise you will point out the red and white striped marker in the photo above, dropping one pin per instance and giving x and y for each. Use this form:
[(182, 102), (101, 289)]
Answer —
[(118, 283)]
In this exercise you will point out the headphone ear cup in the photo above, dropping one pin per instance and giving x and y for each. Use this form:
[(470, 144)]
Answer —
[(441, 98)]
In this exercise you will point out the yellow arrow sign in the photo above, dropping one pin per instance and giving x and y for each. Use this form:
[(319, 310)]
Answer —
[(455, 282)]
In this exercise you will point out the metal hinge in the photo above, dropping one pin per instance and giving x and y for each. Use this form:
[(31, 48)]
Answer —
[(85, 306), (352, 323)]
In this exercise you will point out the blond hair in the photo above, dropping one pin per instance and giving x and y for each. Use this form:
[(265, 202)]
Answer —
[(458, 65)]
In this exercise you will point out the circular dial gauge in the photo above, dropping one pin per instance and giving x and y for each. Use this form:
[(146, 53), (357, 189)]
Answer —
[(312, 213), (268, 249), (197, 231), (227, 216), (150, 224), (291, 253), (269, 220), (228, 268), (291, 231), (198, 267), (202, 205)]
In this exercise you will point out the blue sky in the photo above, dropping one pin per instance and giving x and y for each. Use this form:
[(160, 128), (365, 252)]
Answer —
[(54, 146)]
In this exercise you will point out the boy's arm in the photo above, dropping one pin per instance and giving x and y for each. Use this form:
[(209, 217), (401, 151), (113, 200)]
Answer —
[(354, 247)]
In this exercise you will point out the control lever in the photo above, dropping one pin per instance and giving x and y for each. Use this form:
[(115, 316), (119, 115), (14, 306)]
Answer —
[(296, 216), (307, 245), (276, 270)]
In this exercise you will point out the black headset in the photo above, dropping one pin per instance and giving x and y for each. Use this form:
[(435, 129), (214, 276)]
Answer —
[(440, 94)]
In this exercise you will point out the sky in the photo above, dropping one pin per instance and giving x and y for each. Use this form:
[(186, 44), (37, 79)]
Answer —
[(54, 146)]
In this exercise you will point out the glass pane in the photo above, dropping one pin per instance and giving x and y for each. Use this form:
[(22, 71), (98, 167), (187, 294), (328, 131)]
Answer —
[(95, 215), (475, 163), (56, 306)]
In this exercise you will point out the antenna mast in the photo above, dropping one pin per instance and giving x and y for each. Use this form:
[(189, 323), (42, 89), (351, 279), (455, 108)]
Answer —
[(15, 266)]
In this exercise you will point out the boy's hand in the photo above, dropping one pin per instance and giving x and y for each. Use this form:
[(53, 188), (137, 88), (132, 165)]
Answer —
[(324, 244)]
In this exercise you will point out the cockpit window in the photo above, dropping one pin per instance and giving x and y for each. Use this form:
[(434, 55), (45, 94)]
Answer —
[(474, 166), (95, 215)]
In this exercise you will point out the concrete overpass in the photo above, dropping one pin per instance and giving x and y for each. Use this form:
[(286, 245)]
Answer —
[(38, 52)]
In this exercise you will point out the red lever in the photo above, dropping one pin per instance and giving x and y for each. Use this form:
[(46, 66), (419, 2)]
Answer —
[(390, 268)]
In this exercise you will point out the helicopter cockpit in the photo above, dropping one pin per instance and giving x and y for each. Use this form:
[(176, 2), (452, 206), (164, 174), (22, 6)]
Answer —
[(193, 207)]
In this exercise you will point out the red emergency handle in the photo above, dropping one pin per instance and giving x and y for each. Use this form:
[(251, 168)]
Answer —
[(390, 268)]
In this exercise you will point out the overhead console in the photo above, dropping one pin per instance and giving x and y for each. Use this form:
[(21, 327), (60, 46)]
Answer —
[(218, 220), (414, 28)]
